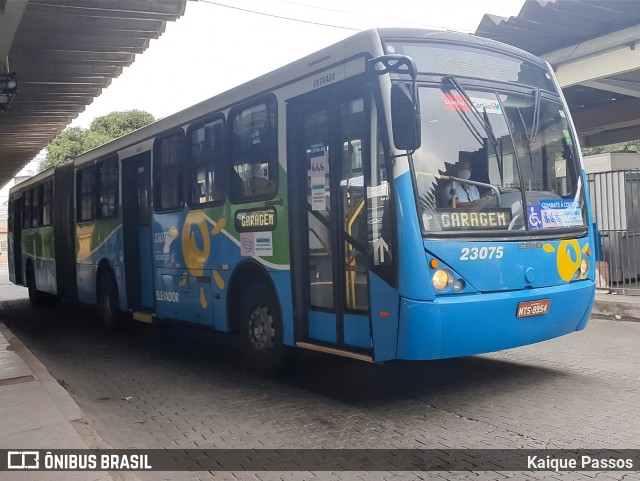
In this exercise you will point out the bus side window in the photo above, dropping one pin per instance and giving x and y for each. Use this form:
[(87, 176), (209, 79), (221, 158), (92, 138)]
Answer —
[(254, 155), (205, 157), (26, 216), (85, 200), (46, 204), (107, 202), (35, 207), (167, 172)]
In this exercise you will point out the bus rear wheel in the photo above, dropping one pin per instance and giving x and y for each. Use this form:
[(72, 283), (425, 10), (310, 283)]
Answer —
[(108, 300), (36, 297), (261, 330)]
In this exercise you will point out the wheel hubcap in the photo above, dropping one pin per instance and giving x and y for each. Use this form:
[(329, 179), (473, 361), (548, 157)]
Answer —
[(261, 330)]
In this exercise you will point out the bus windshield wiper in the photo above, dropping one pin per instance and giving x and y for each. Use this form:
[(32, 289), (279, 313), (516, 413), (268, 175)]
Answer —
[(536, 117), (486, 125)]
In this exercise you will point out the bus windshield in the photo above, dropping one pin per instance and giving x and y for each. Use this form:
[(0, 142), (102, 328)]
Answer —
[(486, 153)]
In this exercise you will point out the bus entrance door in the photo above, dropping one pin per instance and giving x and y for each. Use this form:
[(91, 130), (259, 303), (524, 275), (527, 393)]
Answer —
[(136, 224), (329, 205)]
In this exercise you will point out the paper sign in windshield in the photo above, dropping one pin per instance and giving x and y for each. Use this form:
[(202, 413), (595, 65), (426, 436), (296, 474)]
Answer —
[(559, 204), (554, 214), (486, 105), (457, 102)]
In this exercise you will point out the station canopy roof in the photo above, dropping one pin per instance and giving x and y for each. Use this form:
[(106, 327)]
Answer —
[(594, 46), (64, 53)]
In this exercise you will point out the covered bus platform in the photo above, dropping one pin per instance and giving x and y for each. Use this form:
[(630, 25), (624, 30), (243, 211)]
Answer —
[(63, 54), (594, 48)]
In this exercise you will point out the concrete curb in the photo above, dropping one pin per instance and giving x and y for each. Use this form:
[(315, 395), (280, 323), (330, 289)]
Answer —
[(57, 421), (56, 392), (620, 308)]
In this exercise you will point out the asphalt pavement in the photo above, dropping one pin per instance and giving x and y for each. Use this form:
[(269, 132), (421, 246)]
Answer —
[(160, 388)]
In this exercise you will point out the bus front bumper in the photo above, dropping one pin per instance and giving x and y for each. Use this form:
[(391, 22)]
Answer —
[(463, 325)]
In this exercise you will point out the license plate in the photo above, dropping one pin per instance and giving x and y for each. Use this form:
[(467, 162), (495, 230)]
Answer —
[(533, 308)]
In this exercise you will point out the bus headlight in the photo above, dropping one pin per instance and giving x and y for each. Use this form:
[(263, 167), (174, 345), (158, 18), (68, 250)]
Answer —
[(442, 279), (459, 285), (584, 267)]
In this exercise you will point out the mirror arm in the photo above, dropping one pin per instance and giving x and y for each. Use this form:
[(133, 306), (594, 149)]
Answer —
[(399, 64)]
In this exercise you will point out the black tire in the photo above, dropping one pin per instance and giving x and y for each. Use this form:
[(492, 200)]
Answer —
[(261, 330), (108, 300), (36, 298)]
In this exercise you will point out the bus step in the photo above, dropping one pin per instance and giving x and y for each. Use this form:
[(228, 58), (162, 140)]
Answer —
[(333, 350), (146, 317)]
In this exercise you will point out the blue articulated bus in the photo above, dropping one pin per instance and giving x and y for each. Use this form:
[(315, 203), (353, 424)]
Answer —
[(402, 194)]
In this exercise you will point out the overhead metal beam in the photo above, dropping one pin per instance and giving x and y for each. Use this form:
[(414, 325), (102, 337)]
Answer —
[(610, 137), (598, 58), (139, 9), (63, 22), (11, 18), (617, 86), (589, 48), (624, 58), (616, 115)]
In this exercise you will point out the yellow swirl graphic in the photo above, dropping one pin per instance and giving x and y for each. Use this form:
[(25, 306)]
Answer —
[(194, 257), (203, 298), (218, 280), (568, 259), (219, 226)]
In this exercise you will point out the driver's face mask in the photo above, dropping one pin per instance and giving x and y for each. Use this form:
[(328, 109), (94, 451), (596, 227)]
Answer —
[(464, 174)]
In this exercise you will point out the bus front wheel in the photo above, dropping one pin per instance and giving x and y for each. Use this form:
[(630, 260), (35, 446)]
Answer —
[(261, 330), (108, 300)]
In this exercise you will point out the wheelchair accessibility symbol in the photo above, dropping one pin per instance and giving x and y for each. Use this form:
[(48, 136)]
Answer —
[(535, 217)]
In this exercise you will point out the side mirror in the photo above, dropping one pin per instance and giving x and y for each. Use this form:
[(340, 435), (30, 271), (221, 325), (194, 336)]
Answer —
[(405, 116)]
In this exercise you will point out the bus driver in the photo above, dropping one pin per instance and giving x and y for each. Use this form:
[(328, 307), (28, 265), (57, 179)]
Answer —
[(467, 195)]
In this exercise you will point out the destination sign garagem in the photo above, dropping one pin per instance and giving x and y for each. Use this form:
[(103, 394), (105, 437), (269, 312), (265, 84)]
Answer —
[(256, 220), (464, 219)]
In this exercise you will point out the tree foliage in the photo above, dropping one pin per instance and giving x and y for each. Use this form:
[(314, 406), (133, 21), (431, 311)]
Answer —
[(117, 124), (631, 146), (76, 140)]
